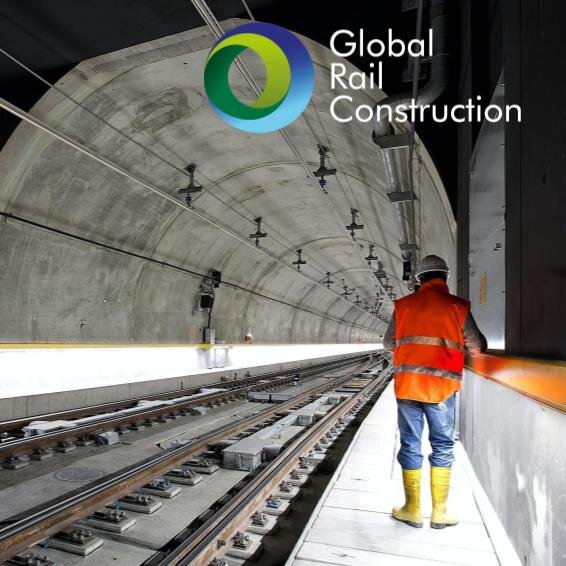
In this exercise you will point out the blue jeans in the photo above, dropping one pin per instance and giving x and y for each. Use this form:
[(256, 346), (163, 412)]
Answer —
[(440, 419)]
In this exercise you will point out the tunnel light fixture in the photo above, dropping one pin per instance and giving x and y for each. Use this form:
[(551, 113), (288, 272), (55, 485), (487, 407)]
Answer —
[(193, 187), (300, 261), (370, 258), (354, 224), (323, 171), (215, 278), (258, 234), (328, 281)]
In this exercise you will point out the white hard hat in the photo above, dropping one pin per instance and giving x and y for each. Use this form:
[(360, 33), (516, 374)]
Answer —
[(431, 263)]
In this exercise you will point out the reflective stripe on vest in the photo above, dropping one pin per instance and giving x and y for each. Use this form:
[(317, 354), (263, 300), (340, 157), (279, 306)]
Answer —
[(431, 341), (428, 371)]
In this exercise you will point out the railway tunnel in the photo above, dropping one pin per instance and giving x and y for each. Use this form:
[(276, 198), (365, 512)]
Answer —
[(194, 304)]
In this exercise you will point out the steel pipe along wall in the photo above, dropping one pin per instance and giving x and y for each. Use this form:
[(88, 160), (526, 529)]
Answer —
[(58, 288)]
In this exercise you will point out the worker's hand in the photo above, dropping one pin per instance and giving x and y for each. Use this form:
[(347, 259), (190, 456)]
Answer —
[(473, 352)]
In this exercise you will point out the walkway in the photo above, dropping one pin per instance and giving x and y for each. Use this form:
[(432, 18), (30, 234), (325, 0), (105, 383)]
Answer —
[(352, 524)]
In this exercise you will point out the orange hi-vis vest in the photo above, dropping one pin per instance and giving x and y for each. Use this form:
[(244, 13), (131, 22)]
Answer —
[(429, 343)]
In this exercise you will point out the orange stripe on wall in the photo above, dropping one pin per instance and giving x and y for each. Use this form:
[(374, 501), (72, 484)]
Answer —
[(543, 381)]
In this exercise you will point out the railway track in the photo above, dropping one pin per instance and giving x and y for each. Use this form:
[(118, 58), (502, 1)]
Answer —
[(28, 528), (304, 371), (210, 542), (13, 446)]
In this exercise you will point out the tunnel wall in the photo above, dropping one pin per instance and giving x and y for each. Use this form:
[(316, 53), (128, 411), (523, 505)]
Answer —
[(516, 447), (87, 253)]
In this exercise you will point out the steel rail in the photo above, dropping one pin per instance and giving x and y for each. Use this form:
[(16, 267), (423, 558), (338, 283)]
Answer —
[(28, 444), (28, 528), (305, 370), (202, 546)]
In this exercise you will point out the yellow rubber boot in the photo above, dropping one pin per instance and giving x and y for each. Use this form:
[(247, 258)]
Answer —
[(410, 513), (439, 487)]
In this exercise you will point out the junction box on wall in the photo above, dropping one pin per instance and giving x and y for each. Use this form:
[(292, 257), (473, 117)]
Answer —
[(204, 302)]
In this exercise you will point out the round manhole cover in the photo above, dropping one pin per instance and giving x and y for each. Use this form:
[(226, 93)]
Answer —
[(79, 474)]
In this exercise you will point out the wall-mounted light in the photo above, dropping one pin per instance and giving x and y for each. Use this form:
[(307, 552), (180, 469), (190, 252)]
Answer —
[(215, 278)]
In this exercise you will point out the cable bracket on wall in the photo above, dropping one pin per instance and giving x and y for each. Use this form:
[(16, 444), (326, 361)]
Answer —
[(258, 234), (354, 226), (300, 261), (323, 171), (193, 187), (328, 281), (370, 258), (346, 293)]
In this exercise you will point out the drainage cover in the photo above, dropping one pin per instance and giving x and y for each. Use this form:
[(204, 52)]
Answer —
[(79, 474)]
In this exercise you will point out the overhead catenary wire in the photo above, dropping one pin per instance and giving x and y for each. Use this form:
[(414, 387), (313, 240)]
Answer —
[(162, 263), (132, 176), (328, 144), (135, 142), (287, 247), (106, 122), (247, 9), (206, 13), (209, 18), (205, 189)]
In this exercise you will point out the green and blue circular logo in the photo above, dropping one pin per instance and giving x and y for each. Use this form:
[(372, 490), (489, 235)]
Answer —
[(288, 86)]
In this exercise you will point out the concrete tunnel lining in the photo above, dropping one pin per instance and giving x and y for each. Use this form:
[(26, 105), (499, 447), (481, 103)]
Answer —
[(66, 291)]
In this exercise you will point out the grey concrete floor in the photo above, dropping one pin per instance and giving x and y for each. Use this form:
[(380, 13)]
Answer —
[(155, 530), (23, 489), (353, 523)]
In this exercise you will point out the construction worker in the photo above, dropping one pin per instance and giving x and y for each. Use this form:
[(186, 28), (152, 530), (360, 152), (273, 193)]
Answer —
[(429, 333)]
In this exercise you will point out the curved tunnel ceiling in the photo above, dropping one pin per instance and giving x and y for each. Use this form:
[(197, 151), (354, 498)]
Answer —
[(89, 255)]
